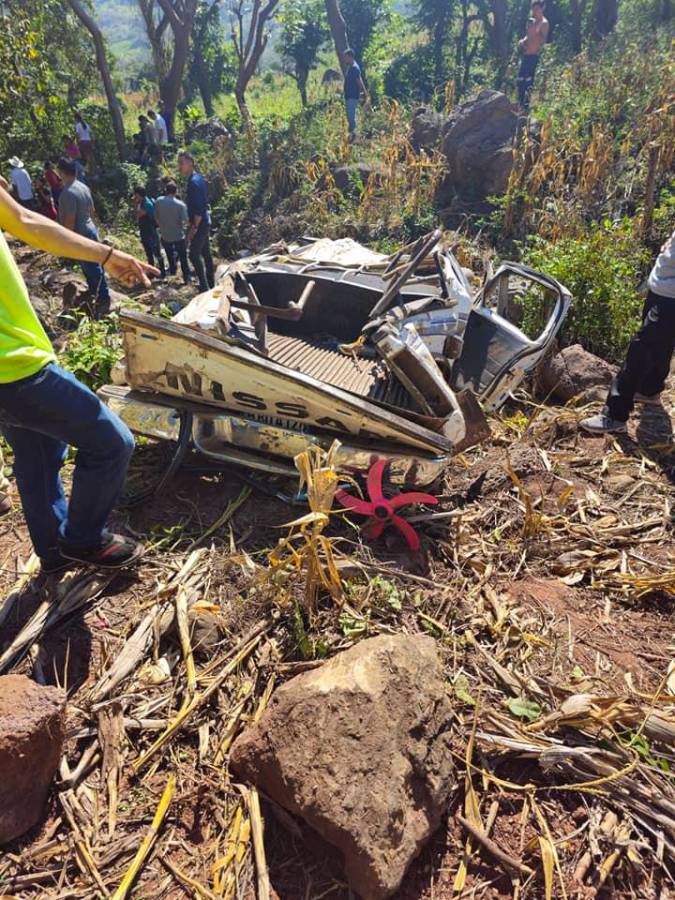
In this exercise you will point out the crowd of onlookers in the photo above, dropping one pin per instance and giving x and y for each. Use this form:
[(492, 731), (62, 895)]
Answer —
[(173, 232)]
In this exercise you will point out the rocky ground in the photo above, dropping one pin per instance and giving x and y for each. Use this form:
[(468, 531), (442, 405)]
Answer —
[(546, 583)]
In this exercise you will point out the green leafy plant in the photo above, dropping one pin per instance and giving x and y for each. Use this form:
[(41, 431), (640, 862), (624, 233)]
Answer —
[(93, 349), (602, 268)]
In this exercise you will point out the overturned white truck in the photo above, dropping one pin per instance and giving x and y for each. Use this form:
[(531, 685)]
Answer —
[(301, 344)]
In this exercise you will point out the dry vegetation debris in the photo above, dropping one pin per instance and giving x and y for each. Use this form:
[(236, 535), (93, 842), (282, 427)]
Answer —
[(545, 577)]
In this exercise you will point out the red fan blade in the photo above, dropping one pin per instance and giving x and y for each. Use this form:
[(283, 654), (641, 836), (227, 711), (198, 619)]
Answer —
[(354, 503), (375, 480), (407, 531), (412, 497)]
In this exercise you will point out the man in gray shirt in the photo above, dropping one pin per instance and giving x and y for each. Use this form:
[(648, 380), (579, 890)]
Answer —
[(172, 218), (76, 212), (647, 365)]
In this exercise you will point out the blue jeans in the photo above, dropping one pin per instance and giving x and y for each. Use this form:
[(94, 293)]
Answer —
[(351, 105), (39, 417), (93, 272)]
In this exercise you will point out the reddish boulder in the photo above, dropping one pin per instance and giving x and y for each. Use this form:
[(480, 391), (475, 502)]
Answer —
[(361, 750), (32, 728), (573, 372)]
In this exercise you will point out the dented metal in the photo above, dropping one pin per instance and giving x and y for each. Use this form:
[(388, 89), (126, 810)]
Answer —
[(303, 344)]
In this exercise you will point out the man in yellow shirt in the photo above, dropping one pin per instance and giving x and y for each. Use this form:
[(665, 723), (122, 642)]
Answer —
[(43, 409)]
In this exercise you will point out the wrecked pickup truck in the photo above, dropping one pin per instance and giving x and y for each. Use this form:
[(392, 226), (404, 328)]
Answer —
[(301, 344)]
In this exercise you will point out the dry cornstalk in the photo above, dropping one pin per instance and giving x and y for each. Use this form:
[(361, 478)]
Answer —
[(257, 833), (79, 591), (148, 841), (199, 699)]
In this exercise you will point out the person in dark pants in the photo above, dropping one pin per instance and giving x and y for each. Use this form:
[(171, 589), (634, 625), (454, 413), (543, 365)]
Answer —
[(43, 409), (144, 210), (76, 213), (647, 365), (200, 221), (531, 46), (171, 216), (353, 89)]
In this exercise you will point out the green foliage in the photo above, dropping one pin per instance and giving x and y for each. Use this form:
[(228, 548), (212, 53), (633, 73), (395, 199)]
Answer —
[(411, 76), (602, 269), (212, 67), (523, 708), (363, 19), (93, 349), (304, 31)]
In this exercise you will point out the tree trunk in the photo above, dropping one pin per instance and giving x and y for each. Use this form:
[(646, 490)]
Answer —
[(171, 84), (577, 11), (605, 15), (102, 62), (301, 77), (439, 42), (240, 97), (666, 10), (204, 85), (338, 30)]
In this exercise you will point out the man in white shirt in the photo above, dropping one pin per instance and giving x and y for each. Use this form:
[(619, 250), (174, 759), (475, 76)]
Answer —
[(22, 186), (161, 132), (85, 142)]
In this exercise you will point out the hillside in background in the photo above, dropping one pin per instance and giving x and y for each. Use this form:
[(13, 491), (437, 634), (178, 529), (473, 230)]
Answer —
[(122, 25)]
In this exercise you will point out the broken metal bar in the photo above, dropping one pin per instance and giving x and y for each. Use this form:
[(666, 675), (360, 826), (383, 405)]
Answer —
[(416, 258)]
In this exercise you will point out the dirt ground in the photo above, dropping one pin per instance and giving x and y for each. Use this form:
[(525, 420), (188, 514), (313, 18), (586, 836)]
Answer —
[(541, 578)]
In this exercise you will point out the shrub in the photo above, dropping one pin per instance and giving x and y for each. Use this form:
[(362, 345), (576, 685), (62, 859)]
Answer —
[(603, 270), (411, 76), (93, 350)]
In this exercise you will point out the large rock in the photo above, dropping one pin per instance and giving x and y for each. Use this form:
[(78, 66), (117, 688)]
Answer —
[(477, 142), (575, 371), (32, 726), (427, 125), (209, 131), (354, 178), (330, 76), (360, 749)]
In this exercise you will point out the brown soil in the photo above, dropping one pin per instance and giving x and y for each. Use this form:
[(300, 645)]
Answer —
[(483, 573)]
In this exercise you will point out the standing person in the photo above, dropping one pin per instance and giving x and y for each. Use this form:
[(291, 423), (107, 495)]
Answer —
[(160, 127), (161, 134), (76, 213), (85, 142), (150, 132), (531, 46), (70, 148), (54, 181), (144, 209), (22, 186), (200, 221), (647, 365), (353, 89), (43, 409), (171, 216), (45, 201), (167, 115)]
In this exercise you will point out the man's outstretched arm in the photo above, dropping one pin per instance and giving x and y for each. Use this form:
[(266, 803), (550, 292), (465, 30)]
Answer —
[(44, 234)]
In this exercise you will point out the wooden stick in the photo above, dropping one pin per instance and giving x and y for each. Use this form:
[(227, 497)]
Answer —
[(493, 849), (199, 699), (257, 833), (148, 841)]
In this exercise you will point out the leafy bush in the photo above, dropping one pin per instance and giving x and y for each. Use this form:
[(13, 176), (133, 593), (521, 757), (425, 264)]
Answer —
[(93, 350), (411, 76), (603, 270)]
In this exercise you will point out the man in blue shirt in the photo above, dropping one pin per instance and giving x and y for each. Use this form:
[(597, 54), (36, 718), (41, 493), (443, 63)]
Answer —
[(353, 88), (200, 221)]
